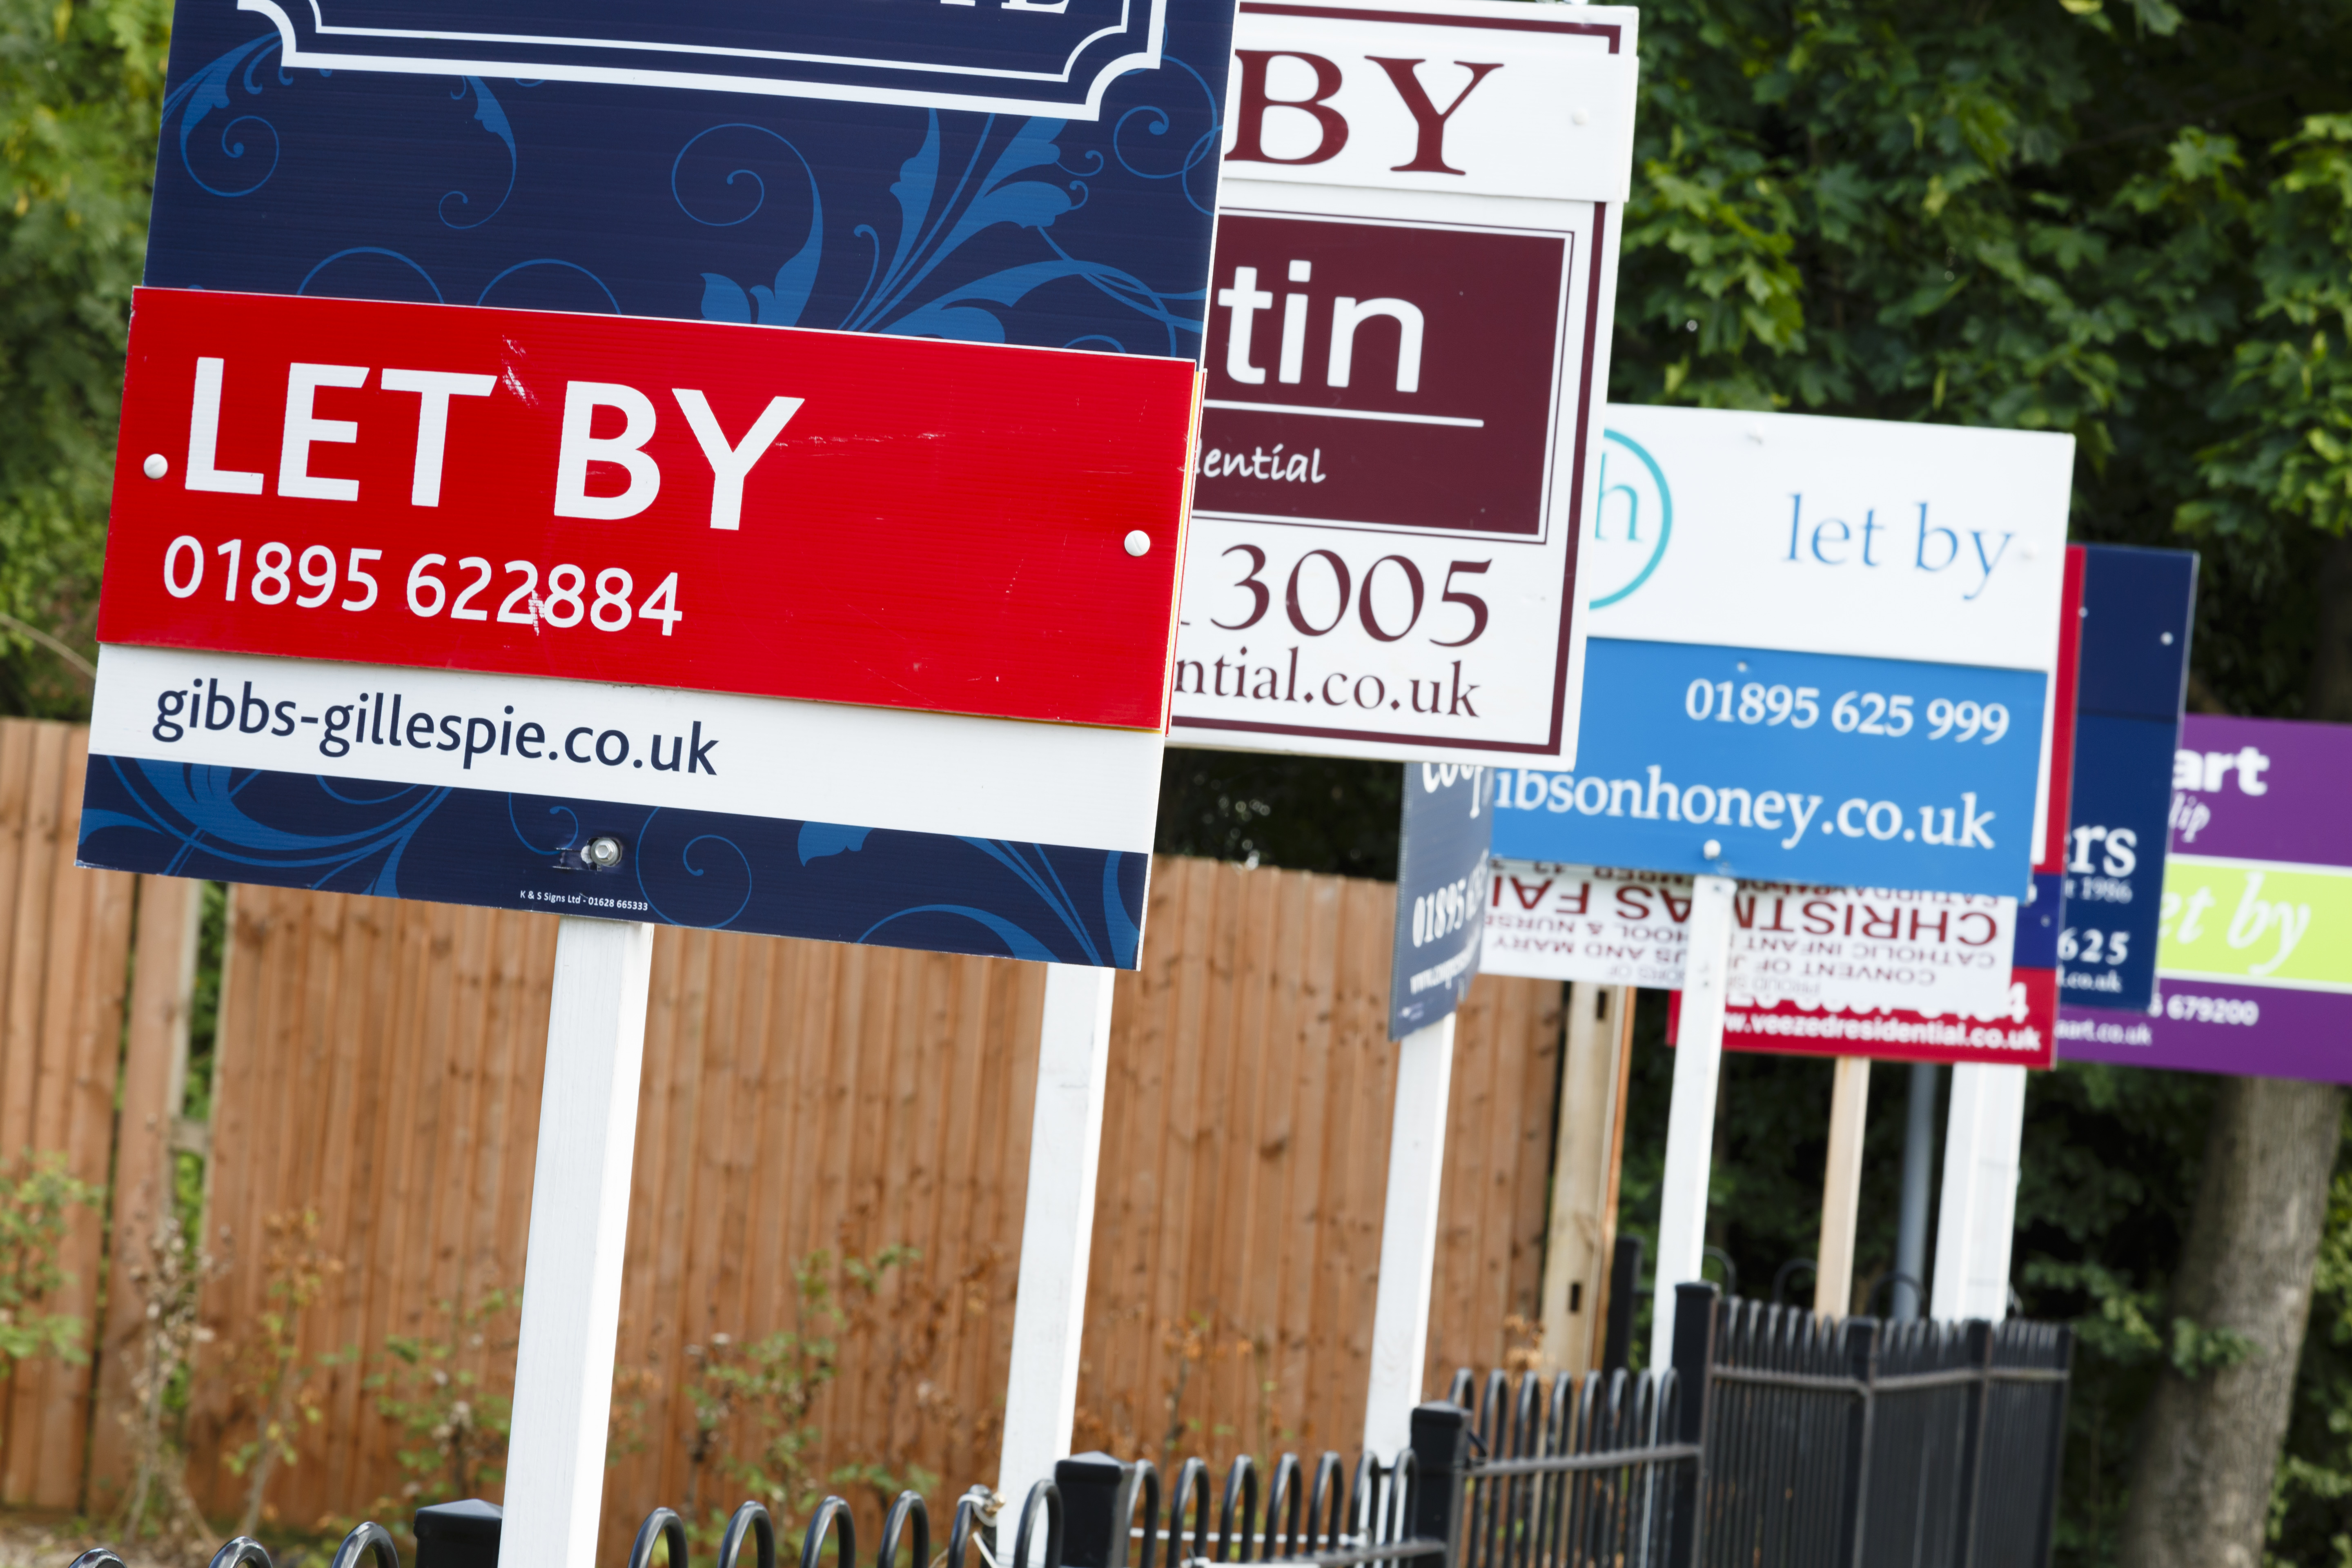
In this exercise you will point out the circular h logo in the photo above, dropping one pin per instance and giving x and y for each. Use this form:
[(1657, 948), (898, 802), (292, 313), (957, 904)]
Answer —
[(1631, 526)]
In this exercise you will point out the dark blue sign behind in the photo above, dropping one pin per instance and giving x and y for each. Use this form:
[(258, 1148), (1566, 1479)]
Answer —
[(2137, 609), (1441, 892)]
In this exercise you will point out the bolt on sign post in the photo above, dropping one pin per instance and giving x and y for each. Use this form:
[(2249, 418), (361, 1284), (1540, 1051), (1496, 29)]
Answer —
[(1822, 652), (1441, 870), (1408, 336), (1408, 345), (2254, 950), (671, 466)]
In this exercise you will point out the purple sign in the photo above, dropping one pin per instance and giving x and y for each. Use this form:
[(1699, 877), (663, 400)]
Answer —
[(2198, 1025), (2265, 791)]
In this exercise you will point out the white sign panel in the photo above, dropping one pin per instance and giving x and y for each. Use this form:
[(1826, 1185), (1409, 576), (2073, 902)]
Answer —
[(1817, 650), (1865, 537), (1408, 339), (1855, 948)]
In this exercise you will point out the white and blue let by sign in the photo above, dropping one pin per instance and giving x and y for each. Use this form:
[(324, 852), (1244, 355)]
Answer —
[(1821, 652)]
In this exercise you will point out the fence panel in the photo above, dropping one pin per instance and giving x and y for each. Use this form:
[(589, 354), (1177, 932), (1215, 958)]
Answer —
[(2026, 1435), (1245, 1161), (154, 1081), (1920, 1441), (65, 935), (1785, 1417), (379, 1064)]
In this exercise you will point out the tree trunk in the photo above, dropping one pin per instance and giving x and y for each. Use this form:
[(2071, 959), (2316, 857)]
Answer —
[(2201, 1491), (2209, 1444)]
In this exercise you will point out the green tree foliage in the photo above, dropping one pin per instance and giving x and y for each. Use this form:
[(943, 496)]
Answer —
[(81, 99), (2129, 222)]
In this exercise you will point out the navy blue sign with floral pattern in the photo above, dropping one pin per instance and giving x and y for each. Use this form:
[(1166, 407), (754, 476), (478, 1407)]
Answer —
[(1053, 230), (1020, 174)]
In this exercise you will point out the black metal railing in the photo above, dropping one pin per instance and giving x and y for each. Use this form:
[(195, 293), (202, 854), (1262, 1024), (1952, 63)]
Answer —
[(1853, 1444), (1774, 1440), (1570, 1473), (1332, 1515), (1558, 1473)]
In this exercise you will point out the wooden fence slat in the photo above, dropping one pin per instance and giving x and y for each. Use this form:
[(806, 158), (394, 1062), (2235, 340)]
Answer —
[(154, 1081)]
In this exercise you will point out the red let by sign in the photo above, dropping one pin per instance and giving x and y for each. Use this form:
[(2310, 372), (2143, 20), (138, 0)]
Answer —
[(841, 517)]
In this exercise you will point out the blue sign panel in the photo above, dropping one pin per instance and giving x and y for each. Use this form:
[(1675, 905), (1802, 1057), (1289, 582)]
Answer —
[(1790, 767), (2138, 606), (503, 178), (1441, 893)]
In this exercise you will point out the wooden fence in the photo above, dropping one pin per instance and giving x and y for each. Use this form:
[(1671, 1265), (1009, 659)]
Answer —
[(65, 976), (378, 1066)]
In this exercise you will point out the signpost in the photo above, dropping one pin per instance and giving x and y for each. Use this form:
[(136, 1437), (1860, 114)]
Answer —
[(2138, 609), (1821, 652), (2254, 959), (1416, 266), (1792, 677), (668, 466), (1442, 871), (1408, 335)]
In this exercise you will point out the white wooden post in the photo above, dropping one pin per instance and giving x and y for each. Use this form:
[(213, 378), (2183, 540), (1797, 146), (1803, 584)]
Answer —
[(1587, 1154), (1690, 1120), (1057, 1233), (1842, 1187), (1978, 1219), (1409, 1236), (579, 1228)]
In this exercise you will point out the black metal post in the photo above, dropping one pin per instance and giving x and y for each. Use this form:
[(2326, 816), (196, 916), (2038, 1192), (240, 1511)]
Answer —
[(1861, 1365), (1972, 1441), (2049, 1541), (1440, 1454), (459, 1534), (1097, 1495), (1624, 1291), (1918, 1173), (1694, 1309)]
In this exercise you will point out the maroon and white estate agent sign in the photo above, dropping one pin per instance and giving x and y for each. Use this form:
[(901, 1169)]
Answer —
[(1407, 350)]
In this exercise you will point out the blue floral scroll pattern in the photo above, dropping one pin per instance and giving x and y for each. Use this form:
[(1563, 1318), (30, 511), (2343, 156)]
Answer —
[(703, 205), (212, 87), (937, 218), (823, 880), (181, 812)]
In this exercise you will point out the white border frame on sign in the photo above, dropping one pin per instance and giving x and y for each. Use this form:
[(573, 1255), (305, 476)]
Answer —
[(470, 64), (1589, 221)]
